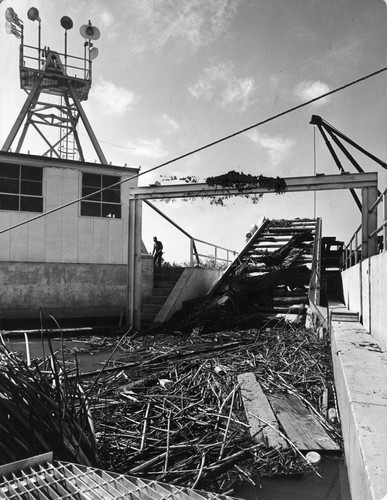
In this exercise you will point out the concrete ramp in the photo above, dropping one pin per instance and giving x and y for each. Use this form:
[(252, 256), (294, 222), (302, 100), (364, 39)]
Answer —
[(175, 288)]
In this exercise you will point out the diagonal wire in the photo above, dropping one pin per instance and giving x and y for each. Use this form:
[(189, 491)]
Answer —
[(201, 148)]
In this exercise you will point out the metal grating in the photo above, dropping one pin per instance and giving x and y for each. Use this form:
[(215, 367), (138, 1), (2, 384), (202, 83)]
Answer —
[(55, 84), (67, 481)]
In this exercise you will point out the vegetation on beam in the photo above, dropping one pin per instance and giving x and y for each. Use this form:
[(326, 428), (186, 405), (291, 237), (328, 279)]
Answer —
[(243, 183)]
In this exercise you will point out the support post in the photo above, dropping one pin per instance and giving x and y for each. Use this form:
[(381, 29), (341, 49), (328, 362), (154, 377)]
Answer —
[(87, 126), (32, 97), (133, 313), (191, 252), (369, 222), (385, 221)]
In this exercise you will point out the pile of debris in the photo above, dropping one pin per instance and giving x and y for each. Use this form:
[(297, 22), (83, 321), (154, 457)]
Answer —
[(177, 408), (172, 408), (269, 280), (216, 402)]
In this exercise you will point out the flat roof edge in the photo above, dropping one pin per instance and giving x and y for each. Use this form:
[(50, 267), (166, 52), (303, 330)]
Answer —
[(29, 159)]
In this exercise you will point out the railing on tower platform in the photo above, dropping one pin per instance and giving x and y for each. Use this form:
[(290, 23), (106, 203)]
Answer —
[(78, 70)]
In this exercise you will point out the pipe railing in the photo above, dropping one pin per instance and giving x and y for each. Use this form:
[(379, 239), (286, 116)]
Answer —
[(194, 254), (32, 57), (352, 251), (315, 280)]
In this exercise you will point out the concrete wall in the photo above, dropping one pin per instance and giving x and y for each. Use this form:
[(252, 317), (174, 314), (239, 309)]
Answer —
[(147, 270), (193, 283), (63, 290), (365, 291), (360, 371), (66, 236)]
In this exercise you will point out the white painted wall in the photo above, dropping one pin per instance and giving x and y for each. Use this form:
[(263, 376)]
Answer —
[(365, 292), (65, 236)]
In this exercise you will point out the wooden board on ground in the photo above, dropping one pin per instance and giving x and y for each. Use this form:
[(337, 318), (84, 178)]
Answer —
[(256, 403), (300, 426)]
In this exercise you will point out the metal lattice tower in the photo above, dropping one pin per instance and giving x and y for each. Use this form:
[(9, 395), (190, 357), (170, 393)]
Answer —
[(56, 84)]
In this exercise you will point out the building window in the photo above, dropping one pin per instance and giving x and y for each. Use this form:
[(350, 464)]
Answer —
[(21, 188), (104, 204)]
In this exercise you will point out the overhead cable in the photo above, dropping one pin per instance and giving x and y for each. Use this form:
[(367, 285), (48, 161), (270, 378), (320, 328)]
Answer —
[(201, 148)]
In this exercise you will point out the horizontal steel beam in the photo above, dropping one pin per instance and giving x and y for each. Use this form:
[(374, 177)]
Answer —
[(294, 184)]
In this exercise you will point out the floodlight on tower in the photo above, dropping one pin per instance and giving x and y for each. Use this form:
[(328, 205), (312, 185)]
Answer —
[(10, 29), (54, 77), (90, 32), (93, 53), (66, 23), (33, 15), (13, 25), (12, 17)]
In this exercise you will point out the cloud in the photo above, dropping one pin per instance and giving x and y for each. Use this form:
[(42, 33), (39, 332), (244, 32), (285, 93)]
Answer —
[(167, 122), (238, 92), (219, 82), (308, 90), (115, 99), (197, 22), (150, 148), (106, 18), (278, 147)]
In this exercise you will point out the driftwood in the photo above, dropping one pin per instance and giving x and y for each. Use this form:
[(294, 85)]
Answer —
[(294, 246), (292, 277), (173, 410)]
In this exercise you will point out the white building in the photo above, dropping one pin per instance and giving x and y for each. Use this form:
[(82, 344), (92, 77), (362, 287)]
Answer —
[(71, 263)]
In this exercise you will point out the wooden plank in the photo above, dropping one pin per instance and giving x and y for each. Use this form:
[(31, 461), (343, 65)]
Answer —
[(256, 403), (300, 426), (293, 277)]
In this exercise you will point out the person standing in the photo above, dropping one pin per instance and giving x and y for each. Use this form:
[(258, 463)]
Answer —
[(157, 251)]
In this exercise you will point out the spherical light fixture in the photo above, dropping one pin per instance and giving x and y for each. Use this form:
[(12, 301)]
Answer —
[(33, 14), (66, 23)]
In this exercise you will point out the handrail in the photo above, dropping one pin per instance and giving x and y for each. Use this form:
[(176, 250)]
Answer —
[(353, 255), (216, 256), (378, 200), (194, 254), (315, 279), (75, 63)]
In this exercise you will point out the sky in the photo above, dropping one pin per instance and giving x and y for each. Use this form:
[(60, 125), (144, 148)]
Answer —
[(175, 75)]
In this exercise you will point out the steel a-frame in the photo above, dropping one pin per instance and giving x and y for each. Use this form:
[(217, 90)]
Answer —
[(366, 182)]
